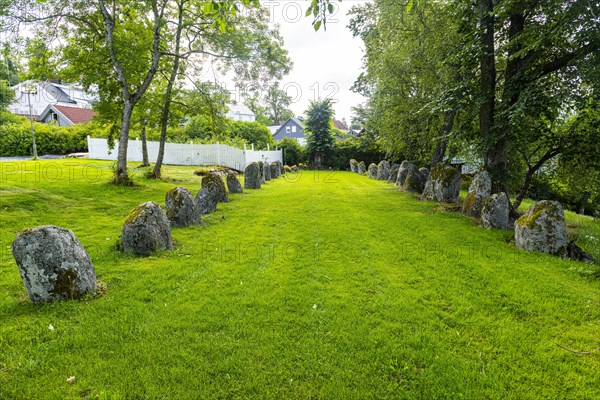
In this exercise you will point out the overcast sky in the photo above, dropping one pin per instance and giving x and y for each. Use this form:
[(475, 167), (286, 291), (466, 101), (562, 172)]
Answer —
[(326, 63)]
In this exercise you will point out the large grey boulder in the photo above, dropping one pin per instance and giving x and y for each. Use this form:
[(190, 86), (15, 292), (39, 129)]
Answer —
[(214, 183), (53, 264), (413, 181), (479, 191), (383, 170), (181, 208), (252, 176), (393, 173), (495, 211), (362, 168), (443, 184), (373, 171), (353, 165), (146, 230), (279, 167), (424, 175), (206, 202), (233, 184), (402, 171), (543, 228)]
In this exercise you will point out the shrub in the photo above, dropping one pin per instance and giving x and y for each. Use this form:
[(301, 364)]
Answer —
[(15, 138), (354, 148), (293, 153), (252, 133)]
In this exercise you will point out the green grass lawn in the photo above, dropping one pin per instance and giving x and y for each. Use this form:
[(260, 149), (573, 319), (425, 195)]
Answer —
[(329, 286)]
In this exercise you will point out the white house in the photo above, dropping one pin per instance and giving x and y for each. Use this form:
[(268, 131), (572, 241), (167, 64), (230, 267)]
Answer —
[(240, 112), (44, 94)]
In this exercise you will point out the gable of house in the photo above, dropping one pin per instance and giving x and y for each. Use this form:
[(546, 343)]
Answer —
[(65, 116), (292, 128)]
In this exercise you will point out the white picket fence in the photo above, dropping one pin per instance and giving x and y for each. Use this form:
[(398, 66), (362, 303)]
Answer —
[(185, 153)]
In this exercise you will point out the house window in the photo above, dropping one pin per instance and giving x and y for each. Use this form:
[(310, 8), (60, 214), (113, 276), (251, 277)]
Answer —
[(287, 129), (294, 129)]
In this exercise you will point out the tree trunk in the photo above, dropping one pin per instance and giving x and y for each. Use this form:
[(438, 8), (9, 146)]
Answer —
[(582, 202), (442, 144), (487, 64), (121, 177), (145, 162), (164, 119), (529, 175)]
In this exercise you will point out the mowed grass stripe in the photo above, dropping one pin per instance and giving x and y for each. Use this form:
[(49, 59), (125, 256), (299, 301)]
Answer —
[(411, 302)]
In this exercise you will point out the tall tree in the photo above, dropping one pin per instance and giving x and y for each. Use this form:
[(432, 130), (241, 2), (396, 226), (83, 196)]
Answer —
[(318, 124)]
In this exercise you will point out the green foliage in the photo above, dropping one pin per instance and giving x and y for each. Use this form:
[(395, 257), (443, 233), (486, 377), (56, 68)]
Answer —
[(9, 65), (356, 148), (15, 138), (318, 125), (293, 152), (251, 133), (7, 95), (42, 61)]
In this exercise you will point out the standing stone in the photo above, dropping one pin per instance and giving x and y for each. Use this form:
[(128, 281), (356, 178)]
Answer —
[(233, 184), (479, 191), (402, 171), (413, 181), (206, 202), (443, 184), (362, 168), (383, 170), (261, 168), (146, 230), (274, 171), (252, 176), (543, 228), (393, 173), (53, 264), (215, 185), (424, 174), (353, 165), (372, 171), (181, 208), (495, 211), (278, 168), (267, 176)]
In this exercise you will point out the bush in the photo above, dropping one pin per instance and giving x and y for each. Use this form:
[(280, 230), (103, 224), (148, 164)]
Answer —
[(15, 138), (252, 133), (293, 153), (356, 148)]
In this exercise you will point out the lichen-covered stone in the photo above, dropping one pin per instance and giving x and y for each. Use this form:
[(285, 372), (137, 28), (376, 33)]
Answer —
[(383, 170), (413, 181), (362, 168), (280, 166), (393, 173), (146, 230), (252, 176), (543, 228), (53, 264), (181, 208), (402, 171), (495, 211), (424, 175), (373, 171), (443, 184), (214, 183), (274, 170), (267, 176), (353, 165), (479, 191), (233, 184), (206, 202)]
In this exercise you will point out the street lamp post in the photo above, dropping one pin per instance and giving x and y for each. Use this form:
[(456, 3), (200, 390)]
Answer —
[(32, 89)]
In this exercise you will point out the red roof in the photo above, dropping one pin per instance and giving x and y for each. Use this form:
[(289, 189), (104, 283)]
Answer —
[(340, 125), (76, 115)]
